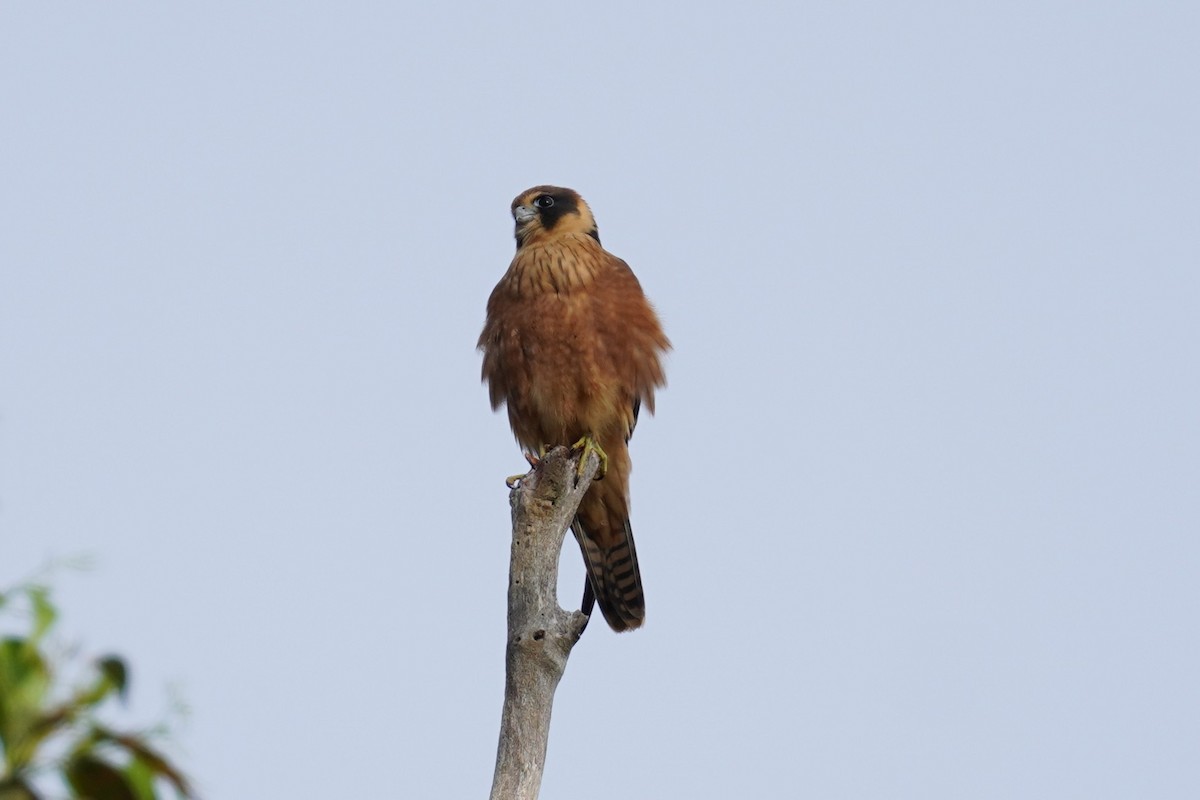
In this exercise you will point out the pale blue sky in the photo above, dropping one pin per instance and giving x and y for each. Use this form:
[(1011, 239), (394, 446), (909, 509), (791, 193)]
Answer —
[(918, 517)]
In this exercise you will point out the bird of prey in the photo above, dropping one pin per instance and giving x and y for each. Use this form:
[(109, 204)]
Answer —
[(573, 348)]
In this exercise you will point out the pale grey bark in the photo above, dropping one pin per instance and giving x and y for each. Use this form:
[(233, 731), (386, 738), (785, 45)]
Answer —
[(540, 634)]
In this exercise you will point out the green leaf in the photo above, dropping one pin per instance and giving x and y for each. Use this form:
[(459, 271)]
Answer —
[(44, 612), (114, 668), (155, 761), (141, 779), (113, 677), (23, 671), (16, 789), (95, 779), (34, 733), (24, 682), (26, 742)]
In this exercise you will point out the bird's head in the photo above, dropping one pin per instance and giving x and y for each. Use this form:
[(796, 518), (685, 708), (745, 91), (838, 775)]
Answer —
[(544, 212)]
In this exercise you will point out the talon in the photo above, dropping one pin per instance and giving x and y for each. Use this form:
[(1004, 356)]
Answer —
[(588, 445), (535, 460), (512, 481)]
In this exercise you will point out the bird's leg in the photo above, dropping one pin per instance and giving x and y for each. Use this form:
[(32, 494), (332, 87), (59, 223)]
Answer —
[(512, 480), (587, 444)]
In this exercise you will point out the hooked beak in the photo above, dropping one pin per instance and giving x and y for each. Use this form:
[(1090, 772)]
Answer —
[(523, 214)]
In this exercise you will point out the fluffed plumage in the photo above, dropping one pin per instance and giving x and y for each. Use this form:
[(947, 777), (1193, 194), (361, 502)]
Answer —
[(572, 347)]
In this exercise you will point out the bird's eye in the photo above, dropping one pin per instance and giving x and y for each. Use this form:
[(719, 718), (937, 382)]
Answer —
[(545, 201)]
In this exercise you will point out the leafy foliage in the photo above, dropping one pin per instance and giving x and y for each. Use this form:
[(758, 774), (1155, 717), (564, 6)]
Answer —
[(41, 734)]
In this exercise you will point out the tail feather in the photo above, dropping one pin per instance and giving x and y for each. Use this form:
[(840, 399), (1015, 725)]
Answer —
[(614, 576)]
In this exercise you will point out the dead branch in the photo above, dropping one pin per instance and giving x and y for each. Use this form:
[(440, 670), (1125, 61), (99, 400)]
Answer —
[(540, 633)]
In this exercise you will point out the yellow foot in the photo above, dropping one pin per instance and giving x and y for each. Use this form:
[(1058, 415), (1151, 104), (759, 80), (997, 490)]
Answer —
[(588, 445), (512, 480)]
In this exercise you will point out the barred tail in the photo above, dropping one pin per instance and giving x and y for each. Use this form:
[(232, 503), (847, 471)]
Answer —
[(613, 573)]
